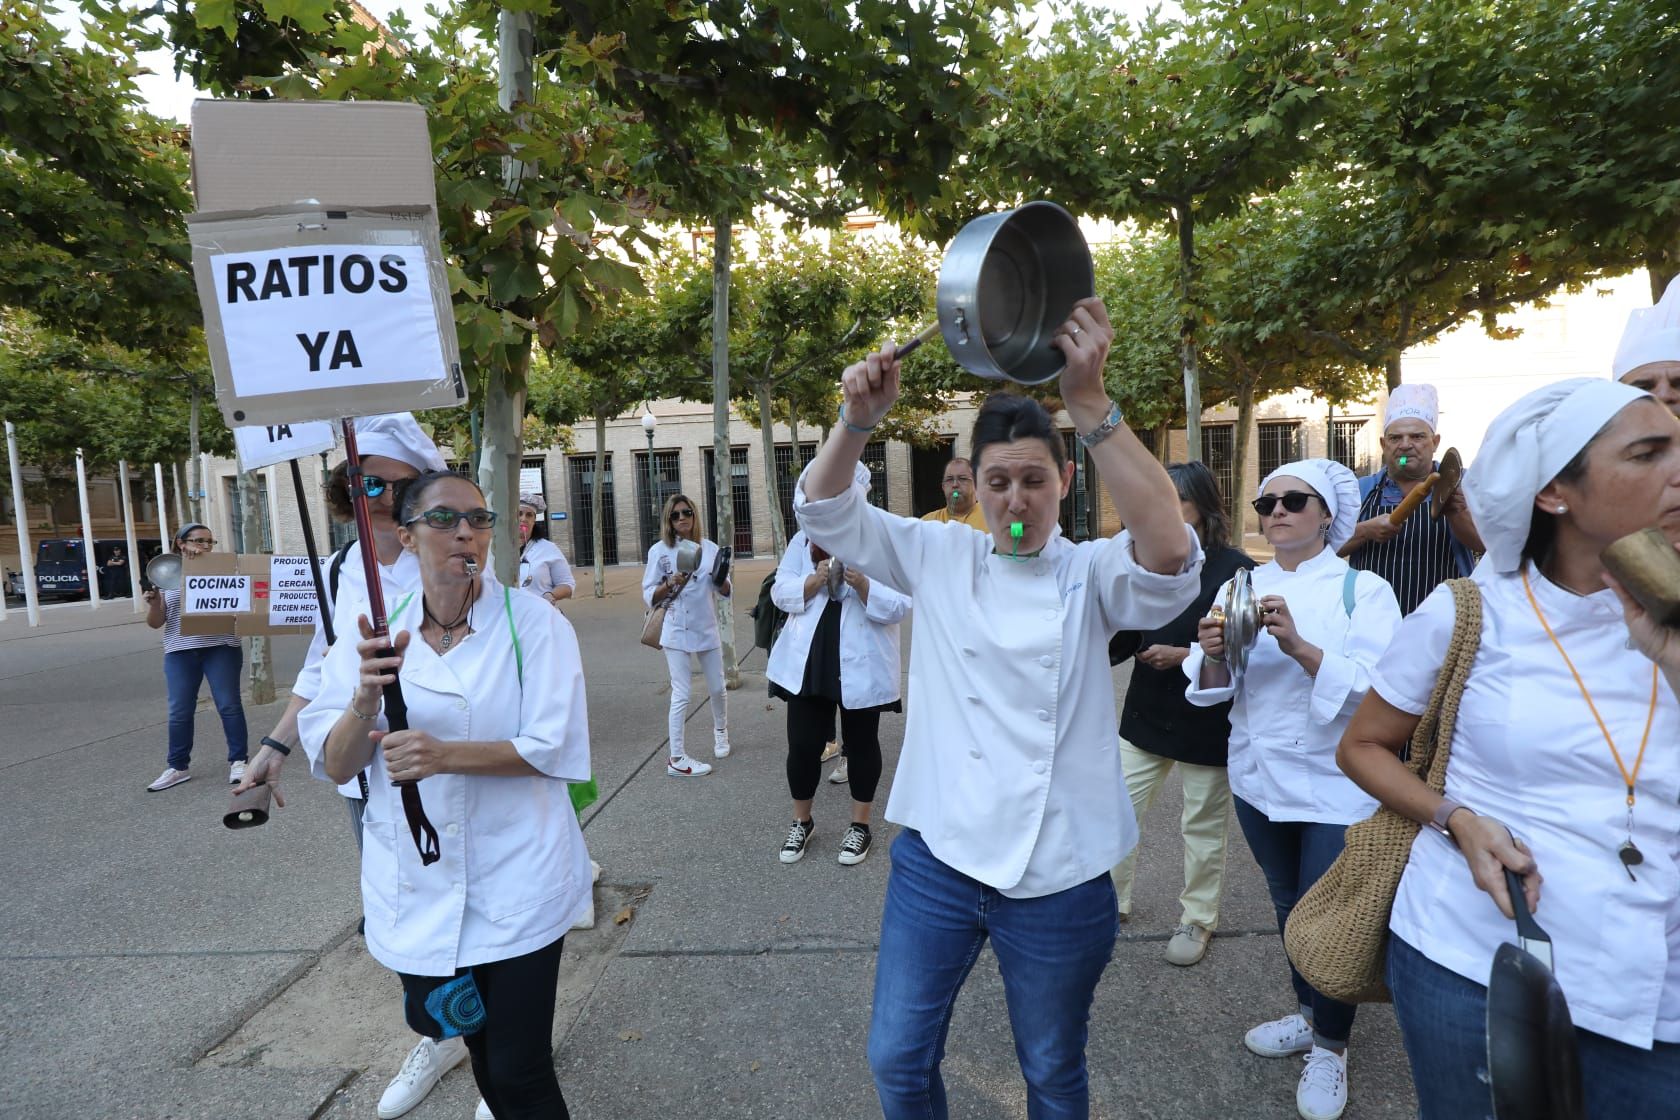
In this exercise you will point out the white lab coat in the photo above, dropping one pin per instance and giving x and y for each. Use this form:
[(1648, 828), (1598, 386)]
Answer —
[(397, 580), (1285, 725), (1527, 751), (1011, 762), (869, 658), (691, 624), (543, 567), (514, 874)]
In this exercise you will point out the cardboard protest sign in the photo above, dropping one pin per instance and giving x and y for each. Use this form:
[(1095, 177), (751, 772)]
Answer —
[(222, 593), (265, 445), (318, 262)]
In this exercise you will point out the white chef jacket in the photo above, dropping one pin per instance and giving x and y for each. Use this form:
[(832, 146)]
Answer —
[(543, 567), (514, 874), (1285, 725), (1527, 751), (397, 579), (1011, 763), (691, 624), (869, 658)]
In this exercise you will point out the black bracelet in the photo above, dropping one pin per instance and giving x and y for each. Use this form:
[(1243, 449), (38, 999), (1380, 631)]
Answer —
[(277, 745)]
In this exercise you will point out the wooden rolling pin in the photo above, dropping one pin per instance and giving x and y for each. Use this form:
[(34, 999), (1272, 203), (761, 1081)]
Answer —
[(1405, 509)]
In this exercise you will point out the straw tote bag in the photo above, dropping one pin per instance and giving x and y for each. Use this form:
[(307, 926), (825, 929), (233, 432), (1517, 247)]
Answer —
[(654, 626), (1337, 935)]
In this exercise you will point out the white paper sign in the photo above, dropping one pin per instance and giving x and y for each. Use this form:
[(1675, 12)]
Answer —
[(326, 317), (261, 446), (530, 480), (291, 592), (215, 594)]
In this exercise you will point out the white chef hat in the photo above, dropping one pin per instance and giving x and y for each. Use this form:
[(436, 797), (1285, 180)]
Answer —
[(1413, 401), (1525, 448), (1652, 334), (395, 435), (1337, 485)]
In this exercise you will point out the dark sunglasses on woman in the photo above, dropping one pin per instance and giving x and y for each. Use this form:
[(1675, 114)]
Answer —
[(440, 518), (680, 514), (373, 485), (1294, 501)]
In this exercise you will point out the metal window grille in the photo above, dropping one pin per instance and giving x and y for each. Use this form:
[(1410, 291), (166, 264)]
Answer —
[(1075, 515), (236, 516), (1218, 455), (1344, 445), (875, 458), (583, 511), (740, 498), (1280, 443), (653, 490), (787, 476)]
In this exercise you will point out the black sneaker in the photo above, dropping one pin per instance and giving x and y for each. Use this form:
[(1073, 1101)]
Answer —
[(798, 839), (854, 846)]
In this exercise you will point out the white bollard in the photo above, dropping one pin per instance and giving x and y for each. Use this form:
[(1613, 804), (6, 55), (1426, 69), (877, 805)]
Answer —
[(88, 560), (26, 552)]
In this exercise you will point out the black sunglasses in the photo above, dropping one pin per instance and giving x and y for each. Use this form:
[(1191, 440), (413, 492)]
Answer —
[(679, 514), (1294, 501), (373, 485), (440, 518)]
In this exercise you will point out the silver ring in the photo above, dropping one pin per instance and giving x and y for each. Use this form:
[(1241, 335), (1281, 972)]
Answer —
[(1072, 331)]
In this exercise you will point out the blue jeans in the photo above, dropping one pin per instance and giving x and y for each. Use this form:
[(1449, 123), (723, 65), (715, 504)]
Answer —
[(183, 671), (1293, 855), (1443, 1022), (1051, 951)]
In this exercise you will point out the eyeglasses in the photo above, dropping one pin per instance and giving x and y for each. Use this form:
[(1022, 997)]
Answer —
[(207, 542), (681, 514), (1294, 501), (441, 518)]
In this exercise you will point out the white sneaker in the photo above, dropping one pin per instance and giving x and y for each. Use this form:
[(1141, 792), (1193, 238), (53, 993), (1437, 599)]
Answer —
[(236, 773), (830, 749), (421, 1070), (588, 919), (1322, 1093), (1280, 1038), (720, 744), (594, 872), (170, 777), (841, 775), (684, 767), (482, 1112)]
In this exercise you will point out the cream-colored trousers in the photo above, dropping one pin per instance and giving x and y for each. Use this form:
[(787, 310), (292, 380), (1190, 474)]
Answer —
[(1207, 812)]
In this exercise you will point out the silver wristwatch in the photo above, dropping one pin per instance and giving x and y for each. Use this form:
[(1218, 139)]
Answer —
[(1111, 423)]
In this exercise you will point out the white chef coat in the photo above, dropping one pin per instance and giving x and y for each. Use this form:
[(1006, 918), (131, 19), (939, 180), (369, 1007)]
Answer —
[(543, 567), (397, 579), (691, 624), (869, 658), (1527, 751), (1011, 762), (514, 874), (1285, 725)]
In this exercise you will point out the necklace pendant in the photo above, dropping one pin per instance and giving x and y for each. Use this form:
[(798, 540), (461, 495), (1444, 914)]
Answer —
[(1631, 857), (449, 636)]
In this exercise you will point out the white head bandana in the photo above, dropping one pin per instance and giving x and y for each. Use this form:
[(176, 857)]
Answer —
[(1525, 448), (1652, 334), (395, 435), (1337, 485), (1413, 401), (534, 500)]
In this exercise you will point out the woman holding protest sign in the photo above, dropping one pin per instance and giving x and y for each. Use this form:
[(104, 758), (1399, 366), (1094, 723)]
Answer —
[(477, 935), (188, 661)]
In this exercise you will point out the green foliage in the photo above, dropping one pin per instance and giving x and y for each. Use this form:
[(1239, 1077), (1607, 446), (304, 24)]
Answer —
[(1135, 278)]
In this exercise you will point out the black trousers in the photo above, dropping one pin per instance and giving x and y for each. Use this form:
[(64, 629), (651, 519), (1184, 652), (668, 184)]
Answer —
[(810, 725), (513, 1055)]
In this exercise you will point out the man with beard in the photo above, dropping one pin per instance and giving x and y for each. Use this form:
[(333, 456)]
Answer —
[(1421, 552)]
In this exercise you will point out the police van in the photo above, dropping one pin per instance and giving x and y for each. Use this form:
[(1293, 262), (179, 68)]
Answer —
[(61, 568)]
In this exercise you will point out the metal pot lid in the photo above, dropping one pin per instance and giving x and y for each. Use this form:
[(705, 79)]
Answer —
[(688, 556), (164, 572), (1242, 620)]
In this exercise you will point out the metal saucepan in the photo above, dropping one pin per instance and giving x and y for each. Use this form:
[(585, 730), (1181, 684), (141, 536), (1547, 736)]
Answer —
[(164, 572), (1452, 474), (1534, 1069), (1240, 610), (1007, 282), (688, 556), (1646, 564)]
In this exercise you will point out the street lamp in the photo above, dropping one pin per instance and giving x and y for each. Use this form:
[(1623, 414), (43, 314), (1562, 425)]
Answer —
[(649, 423)]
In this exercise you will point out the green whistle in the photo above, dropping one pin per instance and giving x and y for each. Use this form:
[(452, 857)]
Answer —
[(1402, 460), (1015, 534)]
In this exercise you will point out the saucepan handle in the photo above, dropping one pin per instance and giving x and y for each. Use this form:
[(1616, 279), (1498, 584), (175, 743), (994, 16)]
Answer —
[(921, 336)]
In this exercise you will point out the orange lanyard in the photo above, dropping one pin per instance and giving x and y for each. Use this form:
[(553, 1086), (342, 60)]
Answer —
[(1628, 777)]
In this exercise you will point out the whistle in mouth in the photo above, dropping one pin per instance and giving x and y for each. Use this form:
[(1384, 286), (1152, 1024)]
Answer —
[(1015, 534), (1402, 460), (471, 566)]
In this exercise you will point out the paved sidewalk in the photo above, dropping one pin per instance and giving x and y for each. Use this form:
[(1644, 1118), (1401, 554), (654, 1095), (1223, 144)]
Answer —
[(157, 965)]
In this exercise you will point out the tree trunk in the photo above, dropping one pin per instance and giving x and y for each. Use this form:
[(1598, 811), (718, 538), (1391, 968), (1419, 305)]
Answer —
[(1237, 498), (1663, 266), (597, 529), (250, 530), (1187, 333), (498, 467), (1163, 442), (767, 438), (720, 427), (1402, 339), (195, 464)]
